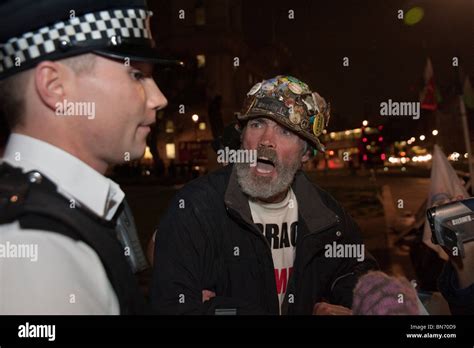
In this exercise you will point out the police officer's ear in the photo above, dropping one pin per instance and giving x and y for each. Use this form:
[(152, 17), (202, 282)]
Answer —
[(50, 80)]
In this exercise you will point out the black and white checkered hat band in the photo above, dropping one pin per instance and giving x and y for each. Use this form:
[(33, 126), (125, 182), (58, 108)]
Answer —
[(98, 26)]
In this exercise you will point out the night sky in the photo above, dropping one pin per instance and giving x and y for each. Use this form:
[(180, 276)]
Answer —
[(387, 57)]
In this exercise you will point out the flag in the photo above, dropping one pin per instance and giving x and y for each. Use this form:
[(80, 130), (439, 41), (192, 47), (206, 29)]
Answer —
[(445, 186), (468, 94), (429, 96)]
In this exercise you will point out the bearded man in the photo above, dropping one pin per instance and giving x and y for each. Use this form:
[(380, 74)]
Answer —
[(260, 238)]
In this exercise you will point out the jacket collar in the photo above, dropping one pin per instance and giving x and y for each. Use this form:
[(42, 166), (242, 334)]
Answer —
[(311, 208)]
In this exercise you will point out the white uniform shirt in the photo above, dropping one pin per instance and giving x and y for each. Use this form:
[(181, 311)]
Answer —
[(45, 272)]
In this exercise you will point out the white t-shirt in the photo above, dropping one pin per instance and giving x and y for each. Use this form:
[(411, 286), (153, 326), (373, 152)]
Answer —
[(279, 223)]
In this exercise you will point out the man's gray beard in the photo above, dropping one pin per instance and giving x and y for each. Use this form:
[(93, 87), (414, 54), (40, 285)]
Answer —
[(263, 187)]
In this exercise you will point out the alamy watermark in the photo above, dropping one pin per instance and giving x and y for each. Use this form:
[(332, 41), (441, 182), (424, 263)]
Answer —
[(227, 156), (28, 330), (394, 108), (19, 251), (355, 251), (67, 108)]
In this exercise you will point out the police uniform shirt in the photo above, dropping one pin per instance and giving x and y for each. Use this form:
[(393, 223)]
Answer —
[(62, 276)]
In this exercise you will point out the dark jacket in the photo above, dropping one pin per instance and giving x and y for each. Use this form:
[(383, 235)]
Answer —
[(461, 301), (207, 240)]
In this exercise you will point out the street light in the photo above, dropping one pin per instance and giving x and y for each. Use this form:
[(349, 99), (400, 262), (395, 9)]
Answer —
[(195, 119), (422, 137), (365, 123), (435, 132)]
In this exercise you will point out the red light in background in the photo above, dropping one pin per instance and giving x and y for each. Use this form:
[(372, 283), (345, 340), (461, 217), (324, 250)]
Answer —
[(364, 140), (403, 154), (383, 157), (364, 157), (380, 128), (380, 139)]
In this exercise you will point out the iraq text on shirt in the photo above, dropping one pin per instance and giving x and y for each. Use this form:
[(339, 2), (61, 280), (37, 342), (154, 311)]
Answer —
[(279, 224)]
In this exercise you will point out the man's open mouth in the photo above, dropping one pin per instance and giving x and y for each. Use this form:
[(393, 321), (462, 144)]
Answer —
[(265, 165)]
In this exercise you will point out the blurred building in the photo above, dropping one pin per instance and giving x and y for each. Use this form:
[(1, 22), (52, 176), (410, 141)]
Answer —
[(364, 146), (220, 67)]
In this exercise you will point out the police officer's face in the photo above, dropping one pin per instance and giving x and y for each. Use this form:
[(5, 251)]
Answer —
[(126, 100)]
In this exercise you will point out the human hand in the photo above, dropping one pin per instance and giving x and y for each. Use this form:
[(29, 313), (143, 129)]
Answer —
[(464, 266), (207, 295), (324, 308)]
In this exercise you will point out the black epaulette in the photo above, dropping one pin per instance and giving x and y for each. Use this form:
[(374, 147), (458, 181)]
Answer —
[(14, 188)]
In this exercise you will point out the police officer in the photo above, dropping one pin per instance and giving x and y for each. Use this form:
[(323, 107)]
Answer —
[(77, 93)]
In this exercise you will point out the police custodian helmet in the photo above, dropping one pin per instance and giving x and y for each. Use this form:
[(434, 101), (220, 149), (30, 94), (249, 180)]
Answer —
[(33, 31)]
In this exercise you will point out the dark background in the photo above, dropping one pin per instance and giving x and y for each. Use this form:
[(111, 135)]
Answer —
[(387, 56)]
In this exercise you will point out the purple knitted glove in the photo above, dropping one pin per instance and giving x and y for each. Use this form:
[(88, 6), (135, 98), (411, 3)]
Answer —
[(376, 293)]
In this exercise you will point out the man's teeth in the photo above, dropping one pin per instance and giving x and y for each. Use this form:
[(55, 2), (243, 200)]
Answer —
[(264, 168), (264, 171)]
